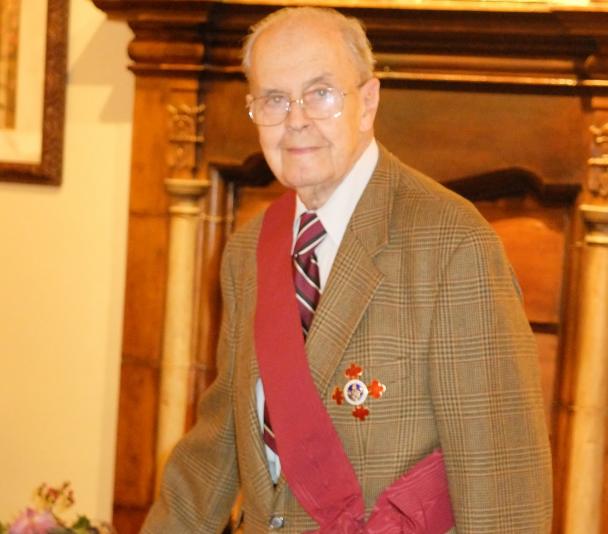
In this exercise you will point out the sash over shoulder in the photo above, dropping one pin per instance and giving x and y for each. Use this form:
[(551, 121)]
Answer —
[(313, 459)]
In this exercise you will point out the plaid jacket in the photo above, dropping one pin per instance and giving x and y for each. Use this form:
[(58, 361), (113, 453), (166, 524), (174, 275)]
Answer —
[(421, 297)]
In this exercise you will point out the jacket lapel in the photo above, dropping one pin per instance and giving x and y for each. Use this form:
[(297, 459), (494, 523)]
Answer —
[(354, 277)]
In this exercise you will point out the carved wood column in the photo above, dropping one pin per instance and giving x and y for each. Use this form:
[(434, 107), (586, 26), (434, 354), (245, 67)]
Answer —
[(177, 361), (585, 390), (584, 509), (176, 380)]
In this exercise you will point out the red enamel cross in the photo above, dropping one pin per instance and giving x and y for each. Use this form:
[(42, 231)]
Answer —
[(360, 412), (338, 396), (354, 371), (376, 389), (355, 392)]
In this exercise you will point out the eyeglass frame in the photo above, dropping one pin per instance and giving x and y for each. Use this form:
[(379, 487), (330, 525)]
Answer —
[(300, 102)]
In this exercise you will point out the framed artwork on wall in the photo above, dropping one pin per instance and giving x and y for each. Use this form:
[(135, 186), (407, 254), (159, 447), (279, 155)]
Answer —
[(9, 41), (33, 64)]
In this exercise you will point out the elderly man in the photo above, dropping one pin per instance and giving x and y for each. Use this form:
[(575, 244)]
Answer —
[(376, 372)]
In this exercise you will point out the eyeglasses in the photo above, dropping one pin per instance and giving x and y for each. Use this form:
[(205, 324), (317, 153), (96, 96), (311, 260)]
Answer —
[(319, 103)]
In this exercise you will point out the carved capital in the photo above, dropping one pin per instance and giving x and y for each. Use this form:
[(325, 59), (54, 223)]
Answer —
[(596, 221), (185, 138), (185, 195), (598, 163)]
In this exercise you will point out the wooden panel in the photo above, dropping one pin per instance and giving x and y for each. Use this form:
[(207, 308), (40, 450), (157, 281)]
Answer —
[(534, 239), (451, 134), (547, 354), (145, 287), (135, 451), (231, 135), (142, 345), (128, 520), (149, 167)]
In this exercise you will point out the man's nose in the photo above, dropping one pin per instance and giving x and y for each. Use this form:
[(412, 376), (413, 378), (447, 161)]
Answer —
[(296, 115)]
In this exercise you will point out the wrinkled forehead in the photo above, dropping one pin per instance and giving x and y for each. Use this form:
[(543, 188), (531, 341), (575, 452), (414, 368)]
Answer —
[(300, 49)]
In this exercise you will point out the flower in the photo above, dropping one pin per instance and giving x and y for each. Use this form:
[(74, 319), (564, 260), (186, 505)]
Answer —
[(33, 522), (47, 516)]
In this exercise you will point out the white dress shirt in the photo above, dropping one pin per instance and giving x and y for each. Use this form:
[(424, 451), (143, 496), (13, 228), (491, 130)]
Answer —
[(334, 215)]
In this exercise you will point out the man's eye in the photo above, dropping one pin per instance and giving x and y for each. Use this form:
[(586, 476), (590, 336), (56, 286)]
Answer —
[(275, 100), (321, 92), (318, 95)]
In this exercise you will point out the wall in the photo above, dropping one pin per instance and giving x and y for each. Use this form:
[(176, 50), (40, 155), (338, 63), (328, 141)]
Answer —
[(62, 260)]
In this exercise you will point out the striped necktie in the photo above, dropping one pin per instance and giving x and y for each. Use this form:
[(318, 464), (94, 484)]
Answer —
[(306, 268), (307, 284)]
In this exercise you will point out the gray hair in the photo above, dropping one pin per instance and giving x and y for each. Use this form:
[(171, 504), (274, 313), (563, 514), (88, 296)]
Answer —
[(352, 31)]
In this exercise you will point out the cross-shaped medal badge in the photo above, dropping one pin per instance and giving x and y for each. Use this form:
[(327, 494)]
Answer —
[(355, 392)]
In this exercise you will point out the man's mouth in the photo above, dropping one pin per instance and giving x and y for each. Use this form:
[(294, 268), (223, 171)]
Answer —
[(301, 151)]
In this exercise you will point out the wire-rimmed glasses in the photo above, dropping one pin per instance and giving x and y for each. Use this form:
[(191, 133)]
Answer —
[(318, 103)]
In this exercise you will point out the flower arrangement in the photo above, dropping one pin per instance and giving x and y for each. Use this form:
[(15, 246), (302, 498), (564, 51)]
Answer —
[(49, 515)]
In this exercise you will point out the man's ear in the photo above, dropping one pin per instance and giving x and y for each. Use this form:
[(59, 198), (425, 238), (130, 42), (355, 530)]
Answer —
[(370, 95)]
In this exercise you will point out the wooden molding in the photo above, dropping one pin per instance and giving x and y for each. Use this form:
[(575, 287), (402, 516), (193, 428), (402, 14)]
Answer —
[(548, 46)]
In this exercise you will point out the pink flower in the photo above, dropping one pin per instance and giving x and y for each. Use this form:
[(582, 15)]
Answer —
[(33, 522)]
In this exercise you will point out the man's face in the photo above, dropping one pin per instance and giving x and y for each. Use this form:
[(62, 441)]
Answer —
[(311, 156)]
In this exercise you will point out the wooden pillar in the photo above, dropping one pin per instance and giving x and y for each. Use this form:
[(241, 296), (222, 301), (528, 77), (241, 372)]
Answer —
[(178, 341), (585, 498), (177, 361)]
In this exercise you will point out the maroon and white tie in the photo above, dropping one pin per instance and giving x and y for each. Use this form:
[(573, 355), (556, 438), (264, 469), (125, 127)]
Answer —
[(307, 284), (306, 268)]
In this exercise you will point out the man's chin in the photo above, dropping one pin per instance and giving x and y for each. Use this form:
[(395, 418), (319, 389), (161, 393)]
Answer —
[(301, 180)]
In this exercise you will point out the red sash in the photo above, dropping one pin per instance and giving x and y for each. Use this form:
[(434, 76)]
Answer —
[(313, 459)]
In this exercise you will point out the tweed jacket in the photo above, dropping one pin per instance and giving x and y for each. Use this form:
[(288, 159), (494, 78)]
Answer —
[(421, 297)]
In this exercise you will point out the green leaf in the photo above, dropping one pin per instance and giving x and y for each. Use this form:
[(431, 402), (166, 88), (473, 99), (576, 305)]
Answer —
[(82, 522)]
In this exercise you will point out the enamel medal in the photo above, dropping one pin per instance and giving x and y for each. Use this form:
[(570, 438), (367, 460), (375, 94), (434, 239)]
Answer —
[(355, 392)]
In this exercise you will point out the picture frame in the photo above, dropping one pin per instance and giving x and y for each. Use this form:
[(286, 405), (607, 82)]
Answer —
[(47, 170)]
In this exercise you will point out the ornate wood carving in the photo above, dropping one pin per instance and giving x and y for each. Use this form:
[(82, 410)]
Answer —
[(598, 174), (185, 138)]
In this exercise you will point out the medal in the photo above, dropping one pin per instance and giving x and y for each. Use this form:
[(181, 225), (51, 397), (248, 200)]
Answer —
[(355, 392)]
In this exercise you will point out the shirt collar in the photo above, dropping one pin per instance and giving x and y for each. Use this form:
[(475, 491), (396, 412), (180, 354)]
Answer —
[(338, 209)]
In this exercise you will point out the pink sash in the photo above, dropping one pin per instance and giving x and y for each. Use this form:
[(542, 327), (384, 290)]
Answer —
[(313, 459)]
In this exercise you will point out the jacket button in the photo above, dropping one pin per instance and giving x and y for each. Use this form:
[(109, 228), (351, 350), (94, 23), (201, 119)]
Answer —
[(276, 522)]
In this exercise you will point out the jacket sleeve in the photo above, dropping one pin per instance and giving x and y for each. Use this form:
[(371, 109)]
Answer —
[(200, 481), (484, 379)]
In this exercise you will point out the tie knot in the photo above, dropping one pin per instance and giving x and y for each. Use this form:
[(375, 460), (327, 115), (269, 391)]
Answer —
[(310, 234)]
